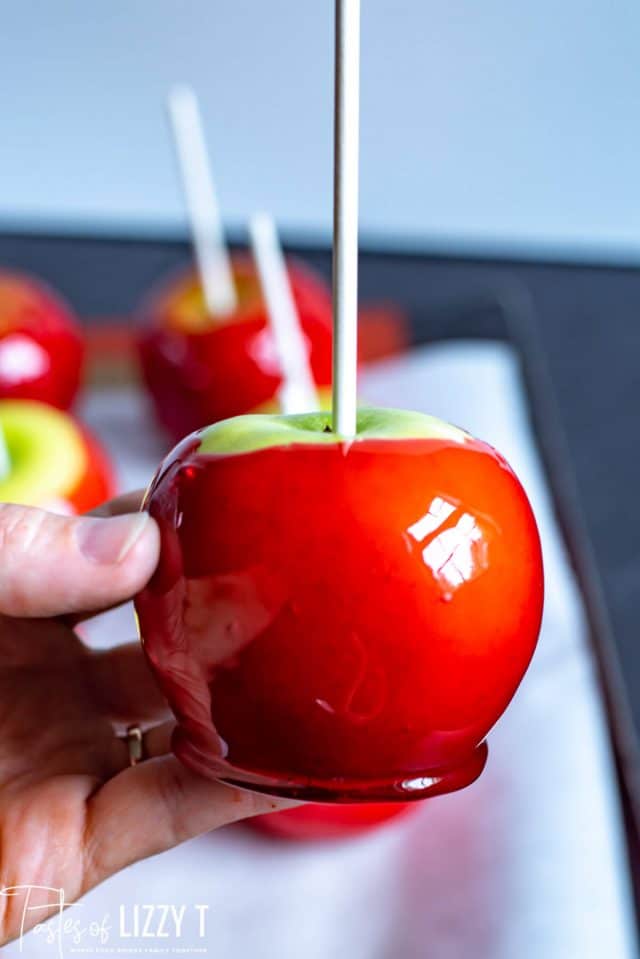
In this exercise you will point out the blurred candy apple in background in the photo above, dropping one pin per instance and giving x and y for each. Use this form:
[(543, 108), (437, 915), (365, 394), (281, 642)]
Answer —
[(340, 620), (200, 368), (49, 460), (41, 348)]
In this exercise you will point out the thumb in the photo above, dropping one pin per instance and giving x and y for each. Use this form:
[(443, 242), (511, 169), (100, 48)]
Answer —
[(52, 564)]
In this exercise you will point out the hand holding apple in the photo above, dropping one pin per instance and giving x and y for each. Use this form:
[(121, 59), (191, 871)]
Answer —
[(73, 811)]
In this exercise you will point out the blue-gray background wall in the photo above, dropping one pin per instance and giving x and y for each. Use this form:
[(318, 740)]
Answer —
[(495, 124)]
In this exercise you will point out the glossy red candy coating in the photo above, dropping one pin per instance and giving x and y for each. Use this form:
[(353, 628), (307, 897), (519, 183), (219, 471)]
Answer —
[(41, 348), (199, 369), (341, 623), (317, 821)]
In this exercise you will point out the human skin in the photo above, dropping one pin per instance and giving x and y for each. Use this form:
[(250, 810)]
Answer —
[(72, 810)]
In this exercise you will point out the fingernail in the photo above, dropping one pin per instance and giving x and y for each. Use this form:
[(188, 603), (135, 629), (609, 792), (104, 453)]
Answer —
[(107, 541)]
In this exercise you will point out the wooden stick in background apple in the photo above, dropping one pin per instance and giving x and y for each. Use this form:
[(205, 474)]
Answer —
[(345, 215), (212, 255), (298, 392)]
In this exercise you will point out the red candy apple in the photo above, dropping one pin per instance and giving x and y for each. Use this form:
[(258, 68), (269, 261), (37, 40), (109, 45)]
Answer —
[(52, 461), (316, 821), (340, 620), (200, 368), (41, 349)]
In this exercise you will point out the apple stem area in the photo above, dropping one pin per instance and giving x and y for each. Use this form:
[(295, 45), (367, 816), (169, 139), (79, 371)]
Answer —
[(212, 255), (345, 215)]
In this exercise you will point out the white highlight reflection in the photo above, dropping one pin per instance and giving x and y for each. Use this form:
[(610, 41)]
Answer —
[(262, 350), (21, 359), (458, 553), (439, 511), (421, 783)]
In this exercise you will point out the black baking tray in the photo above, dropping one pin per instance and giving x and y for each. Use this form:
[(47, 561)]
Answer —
[(577, 331)]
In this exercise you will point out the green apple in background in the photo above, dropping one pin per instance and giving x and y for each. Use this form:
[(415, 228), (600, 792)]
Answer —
[(49, 460)]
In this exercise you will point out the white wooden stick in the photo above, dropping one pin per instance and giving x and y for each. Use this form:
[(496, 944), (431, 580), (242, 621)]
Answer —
[(298, 393), (5, 459), (345, 215), (212, 256)]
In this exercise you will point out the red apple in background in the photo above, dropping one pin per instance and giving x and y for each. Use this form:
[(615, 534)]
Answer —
[(200, 368), (340, 620), (53, 462), (41, 348)]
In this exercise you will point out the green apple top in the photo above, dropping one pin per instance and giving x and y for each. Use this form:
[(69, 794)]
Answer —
[(245, 434)]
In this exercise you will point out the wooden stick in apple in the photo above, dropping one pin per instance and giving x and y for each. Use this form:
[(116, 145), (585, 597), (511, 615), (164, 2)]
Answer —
[(212, 255), (345, 215), (298, 392)]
